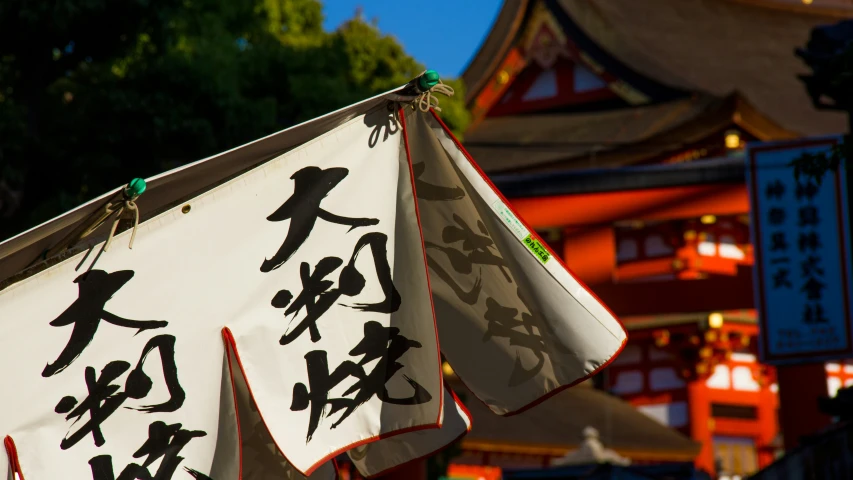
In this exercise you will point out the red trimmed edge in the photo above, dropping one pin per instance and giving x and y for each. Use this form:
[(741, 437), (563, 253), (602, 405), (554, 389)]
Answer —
[(12, 453), (561, 263), (229, 338), (464, 409), (402, 115), (236, 406)]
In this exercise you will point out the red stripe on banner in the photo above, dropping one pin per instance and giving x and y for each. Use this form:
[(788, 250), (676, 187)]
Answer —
[(464, 409), (559, 260), (402, 115), (229, 337), (236, 407), (12, 452)]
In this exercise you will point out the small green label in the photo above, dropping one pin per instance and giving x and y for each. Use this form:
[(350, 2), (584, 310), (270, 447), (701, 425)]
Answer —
[(537, 248)]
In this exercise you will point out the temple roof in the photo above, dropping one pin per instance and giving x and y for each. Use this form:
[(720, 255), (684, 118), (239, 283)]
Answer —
[(709, 171), (716, 46), (545, 142), (715, 49), (556, 426), (525, 142)]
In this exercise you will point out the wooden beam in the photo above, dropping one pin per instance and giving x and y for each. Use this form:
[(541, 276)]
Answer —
[(560, 450), (711, 294), (598, 209)]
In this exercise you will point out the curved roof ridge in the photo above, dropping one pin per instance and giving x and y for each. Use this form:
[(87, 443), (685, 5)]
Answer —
[(839, 11), (716, 46), (493, 49)]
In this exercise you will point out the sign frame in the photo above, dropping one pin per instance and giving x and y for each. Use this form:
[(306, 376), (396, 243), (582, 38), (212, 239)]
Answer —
[(838, 180)]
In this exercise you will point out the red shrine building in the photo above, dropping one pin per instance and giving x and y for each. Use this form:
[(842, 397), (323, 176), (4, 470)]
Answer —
[(617, 128)]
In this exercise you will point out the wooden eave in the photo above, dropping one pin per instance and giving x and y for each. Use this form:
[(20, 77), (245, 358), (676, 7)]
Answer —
[(544, 450), (491, 52), (733, 110), (512, 21), (739, 317)]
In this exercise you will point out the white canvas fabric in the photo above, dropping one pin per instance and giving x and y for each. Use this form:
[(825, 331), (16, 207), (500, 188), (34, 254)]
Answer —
[(514, 324), (374, 332), (111, 348), (281, 316), (377, 458)]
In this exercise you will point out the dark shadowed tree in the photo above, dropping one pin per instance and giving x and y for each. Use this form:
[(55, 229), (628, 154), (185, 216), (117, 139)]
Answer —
[(94, 93)]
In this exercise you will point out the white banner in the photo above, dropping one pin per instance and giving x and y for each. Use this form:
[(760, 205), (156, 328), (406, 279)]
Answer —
[(314, 263), (514, 324), (312, 268)]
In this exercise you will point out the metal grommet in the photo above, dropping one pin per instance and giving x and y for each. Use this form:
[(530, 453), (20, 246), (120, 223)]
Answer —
[(186, 209)]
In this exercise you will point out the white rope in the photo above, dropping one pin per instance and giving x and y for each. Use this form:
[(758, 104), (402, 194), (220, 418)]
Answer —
[(120, 208), (427, 100), (126, 206)]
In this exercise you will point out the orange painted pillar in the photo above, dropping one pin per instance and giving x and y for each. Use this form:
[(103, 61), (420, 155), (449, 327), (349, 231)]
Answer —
[(590, 253), (799, 388), (767, 424), (701, 423)]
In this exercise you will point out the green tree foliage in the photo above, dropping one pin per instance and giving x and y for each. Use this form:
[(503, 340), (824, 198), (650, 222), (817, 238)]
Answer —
[(95, 92)]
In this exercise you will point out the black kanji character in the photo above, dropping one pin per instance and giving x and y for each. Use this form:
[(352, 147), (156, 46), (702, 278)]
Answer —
[(318, 296), (531, 332), (809, 241), (809, 216), (813, 288), (778, 242), (312, 185), (811, 266), (428, 191), (780, 261), (384, 344), (776, 216), (96, 288), (471, 296), (164, 442), (103, 400), (479, 246), (813, 313), (775, 189), (807, 190), (780, 278)]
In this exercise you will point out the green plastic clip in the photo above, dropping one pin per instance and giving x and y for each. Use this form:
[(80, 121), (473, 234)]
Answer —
[(135, 188), (428, 80)]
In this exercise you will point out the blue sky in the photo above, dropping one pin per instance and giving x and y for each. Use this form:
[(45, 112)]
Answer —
[(442, 37)]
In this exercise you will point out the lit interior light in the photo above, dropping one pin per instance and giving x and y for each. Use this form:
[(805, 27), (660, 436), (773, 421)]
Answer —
[(715, 320), (503, 77), (807, 2), (708, 219), (732, 139), (447, 369)]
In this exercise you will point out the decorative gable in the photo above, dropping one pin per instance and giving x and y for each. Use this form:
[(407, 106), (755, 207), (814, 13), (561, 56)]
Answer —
[(553, 73)]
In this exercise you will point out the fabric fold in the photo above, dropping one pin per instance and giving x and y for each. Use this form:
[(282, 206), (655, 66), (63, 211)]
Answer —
[(514, 323)]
